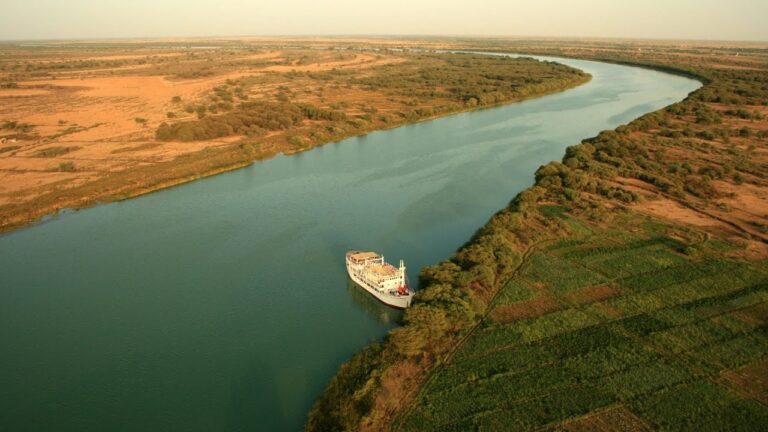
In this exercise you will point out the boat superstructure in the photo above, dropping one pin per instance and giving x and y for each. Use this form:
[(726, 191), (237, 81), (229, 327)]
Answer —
[(381, 279)]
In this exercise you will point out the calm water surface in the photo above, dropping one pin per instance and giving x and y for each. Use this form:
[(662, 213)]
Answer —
[(223, 305)]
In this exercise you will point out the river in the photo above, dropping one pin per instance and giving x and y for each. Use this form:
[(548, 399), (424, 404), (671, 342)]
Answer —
[(223, 304)]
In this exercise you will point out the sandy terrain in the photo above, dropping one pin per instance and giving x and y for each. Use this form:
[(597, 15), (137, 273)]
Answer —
[(666, 208), (367, 60), (133, 56), (93, 113), (738, 208), (22, 92)]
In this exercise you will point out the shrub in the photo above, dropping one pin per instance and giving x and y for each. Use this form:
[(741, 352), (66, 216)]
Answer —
[(296, 140), (55, 151), (249, 117), (745, 132), (67, 166)]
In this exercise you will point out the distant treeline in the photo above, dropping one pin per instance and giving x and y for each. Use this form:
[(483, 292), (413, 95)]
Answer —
[(425, 86), (473, 80)]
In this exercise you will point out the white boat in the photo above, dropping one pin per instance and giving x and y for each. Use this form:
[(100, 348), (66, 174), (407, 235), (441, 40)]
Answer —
[(382, 280)]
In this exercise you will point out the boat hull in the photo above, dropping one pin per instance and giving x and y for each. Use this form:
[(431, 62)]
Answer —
[(400, 302)]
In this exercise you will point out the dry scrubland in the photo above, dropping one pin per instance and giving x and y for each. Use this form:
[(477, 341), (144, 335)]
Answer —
[(626, 290), (90, 122)]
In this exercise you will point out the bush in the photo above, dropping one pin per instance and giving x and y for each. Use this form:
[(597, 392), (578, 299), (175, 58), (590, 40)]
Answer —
[(745, 132), (250, 117), (700, 187), (67, 166), (296, 140)]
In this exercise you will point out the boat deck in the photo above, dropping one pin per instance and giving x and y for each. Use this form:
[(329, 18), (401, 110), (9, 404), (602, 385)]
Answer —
[(363, 256), (383, 270)]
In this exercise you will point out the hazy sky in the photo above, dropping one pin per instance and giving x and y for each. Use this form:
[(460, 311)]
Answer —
[(684, 19)]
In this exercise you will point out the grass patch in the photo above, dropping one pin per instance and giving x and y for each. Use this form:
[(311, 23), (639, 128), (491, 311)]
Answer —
[(557, 211)]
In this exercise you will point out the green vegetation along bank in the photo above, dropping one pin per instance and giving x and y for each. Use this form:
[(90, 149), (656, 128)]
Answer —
[(430, 85), (580, 307), (266, 112)]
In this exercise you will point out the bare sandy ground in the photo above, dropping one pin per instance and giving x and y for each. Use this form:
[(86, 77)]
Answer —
[(133, 56), (741, 209), (22, 92), (666, 208), (106, 123)]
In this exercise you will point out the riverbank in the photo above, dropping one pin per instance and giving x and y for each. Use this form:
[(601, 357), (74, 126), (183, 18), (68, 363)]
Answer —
[(337, 98), (191, 299), (472, 350)]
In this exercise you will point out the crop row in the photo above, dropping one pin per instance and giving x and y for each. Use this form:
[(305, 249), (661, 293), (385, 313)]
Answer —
[(559, 274), (702, 406)]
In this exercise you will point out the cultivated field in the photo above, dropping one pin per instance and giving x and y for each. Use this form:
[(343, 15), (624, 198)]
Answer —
[(626, 328)]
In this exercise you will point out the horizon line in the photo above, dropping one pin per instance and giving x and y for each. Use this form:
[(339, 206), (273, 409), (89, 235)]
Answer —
[(381, 36)]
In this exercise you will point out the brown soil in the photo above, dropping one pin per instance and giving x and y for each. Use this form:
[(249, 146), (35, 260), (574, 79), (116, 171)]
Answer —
[(745, 204), (617, 419), (609, 311), (672, 210), (750, 381), (591, 294), (757, 315), (132, 56), (20, 92), (755, 250), (639, 187)]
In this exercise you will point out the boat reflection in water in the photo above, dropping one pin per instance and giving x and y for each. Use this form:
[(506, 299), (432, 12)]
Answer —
[(382, 312)]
